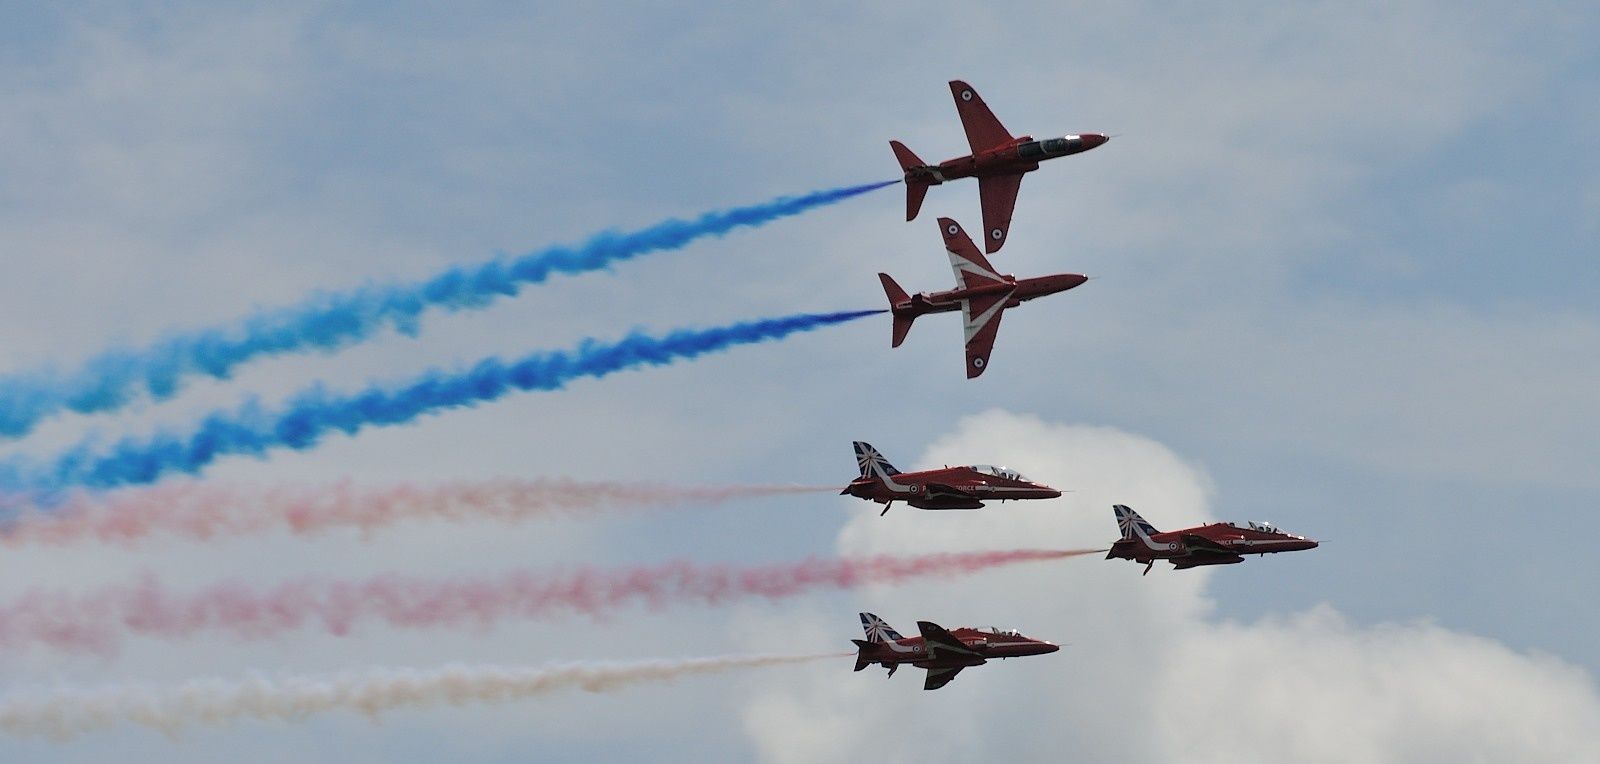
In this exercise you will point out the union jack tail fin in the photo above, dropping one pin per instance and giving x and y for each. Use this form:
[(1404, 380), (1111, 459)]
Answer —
[(1131, 524), (878, 630), (897, 296), (872, 465), (916, 182)]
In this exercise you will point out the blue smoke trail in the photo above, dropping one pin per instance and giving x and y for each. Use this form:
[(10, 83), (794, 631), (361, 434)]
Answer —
[(310, 415), (329, 321)]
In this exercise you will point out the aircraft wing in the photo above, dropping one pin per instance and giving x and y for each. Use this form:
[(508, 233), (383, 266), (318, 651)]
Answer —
[(998, 193), (944, 646), (1203, 545), (941, 489), (939, 677), (981, 321), (983, 130), (971, 268)]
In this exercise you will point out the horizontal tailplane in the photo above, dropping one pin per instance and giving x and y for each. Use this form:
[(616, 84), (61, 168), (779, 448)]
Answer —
[(862, 646), (916, 182), (902, 327), (897, 296)]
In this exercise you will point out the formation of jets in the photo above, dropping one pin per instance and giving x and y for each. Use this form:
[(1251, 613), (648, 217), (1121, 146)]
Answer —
[(982, 294), (998, 160)]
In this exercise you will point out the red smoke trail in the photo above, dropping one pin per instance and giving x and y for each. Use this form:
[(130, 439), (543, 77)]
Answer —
[(61, 714), (95, 621), (197, 511)]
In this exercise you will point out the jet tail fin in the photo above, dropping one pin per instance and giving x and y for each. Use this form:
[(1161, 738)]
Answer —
[(877, 629), (916, 183), (873, 465), (896, 295), (1131, 524)]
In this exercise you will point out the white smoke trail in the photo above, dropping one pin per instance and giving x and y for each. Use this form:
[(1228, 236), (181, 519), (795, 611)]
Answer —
[(202, 511), (64, 713)]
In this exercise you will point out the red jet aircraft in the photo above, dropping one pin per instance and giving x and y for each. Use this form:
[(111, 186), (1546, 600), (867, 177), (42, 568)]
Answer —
[(1214, 544), (948, 488), (997, 160), (943, 653), (981, 295)]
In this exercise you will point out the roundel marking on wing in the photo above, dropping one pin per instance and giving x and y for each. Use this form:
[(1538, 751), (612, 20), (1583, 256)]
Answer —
[(996, 234), (953, 229), (966, 95)]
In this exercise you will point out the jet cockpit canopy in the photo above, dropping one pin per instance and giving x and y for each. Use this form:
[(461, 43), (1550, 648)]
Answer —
[(999, 472), (1002, 632)]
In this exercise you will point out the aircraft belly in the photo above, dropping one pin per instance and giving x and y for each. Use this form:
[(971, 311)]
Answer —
[(936, 305), (1002, 167), (949, 663), (947, 504), (1182, 563)]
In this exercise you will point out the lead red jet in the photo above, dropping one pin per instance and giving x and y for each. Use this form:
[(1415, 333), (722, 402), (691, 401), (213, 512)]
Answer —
[(1214, 544), (949, 488), (997, 160), (943, 653), (981, 294)]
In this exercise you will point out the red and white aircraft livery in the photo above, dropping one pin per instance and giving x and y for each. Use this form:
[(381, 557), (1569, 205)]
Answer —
[(949, 488), (997, 160), (1214, 544), (943, 653), (981, 295)]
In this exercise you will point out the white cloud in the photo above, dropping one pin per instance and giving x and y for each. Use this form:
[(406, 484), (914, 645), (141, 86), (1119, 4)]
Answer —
[(1149, 673), (1313, 687)]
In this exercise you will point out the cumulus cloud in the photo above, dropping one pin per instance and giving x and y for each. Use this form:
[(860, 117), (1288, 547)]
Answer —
[(1151, 671), (1314, 687)]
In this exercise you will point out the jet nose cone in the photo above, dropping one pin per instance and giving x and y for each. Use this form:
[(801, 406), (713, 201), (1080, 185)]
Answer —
[(1091, 140), (1047, 647), (1070, 281)]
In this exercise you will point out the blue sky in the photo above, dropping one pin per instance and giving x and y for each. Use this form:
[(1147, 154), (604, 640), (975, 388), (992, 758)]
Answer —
[(1344, 281)]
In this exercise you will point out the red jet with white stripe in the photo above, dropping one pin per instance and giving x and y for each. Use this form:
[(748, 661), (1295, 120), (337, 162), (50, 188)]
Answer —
[(997, 160), (964, 487), (1214, 544), (944, 653), (981, 294)]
